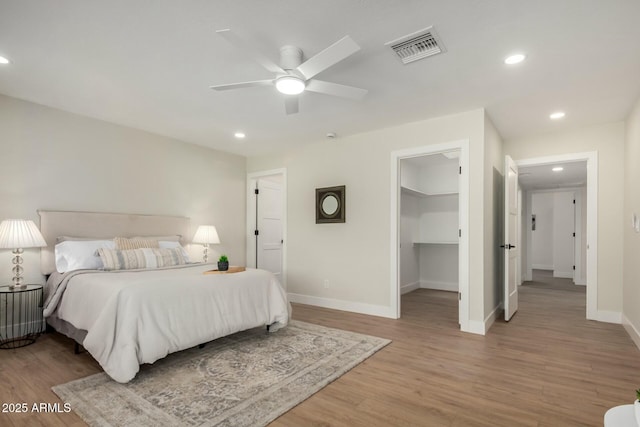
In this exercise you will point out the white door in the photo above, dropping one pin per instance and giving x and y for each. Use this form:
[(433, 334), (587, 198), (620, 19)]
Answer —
[(511, 244), (269, 221), (563, 234)]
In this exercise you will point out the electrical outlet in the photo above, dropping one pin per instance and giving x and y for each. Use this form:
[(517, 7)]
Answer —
[(325, 284)]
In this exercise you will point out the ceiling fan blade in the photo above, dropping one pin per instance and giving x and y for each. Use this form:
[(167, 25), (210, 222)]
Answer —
[(249, 49), (291, 104), (336, 89), (328, 57), (242, 85)]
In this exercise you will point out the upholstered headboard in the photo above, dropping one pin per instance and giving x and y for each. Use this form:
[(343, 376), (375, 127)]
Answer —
[(104, 225)]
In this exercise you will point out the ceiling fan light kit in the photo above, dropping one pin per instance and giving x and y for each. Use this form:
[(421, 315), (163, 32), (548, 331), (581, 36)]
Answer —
[(290, 85), (293, 76)]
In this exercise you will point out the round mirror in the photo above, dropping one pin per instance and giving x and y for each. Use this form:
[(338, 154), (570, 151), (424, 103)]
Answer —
[(330, 204)]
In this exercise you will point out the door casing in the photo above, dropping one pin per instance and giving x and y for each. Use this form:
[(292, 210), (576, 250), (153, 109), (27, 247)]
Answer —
[(463, 244), (591, 157)]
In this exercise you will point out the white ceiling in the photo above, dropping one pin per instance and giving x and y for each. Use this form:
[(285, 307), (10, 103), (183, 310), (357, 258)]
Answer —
[(542, 177), (149, 65)]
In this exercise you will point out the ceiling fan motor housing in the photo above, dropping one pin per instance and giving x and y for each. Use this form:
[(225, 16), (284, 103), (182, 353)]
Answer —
[(290, 57)]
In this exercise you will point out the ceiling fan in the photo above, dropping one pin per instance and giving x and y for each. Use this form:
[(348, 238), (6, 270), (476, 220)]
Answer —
[(293, 76)]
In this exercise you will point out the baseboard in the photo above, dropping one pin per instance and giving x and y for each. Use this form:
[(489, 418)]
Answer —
[(475, 327), (563, 274), (481, 328), (580, 281), (440, 286), (609, 316), (405, 289), (631, 330), (491, 318), (336, 304), (541, 267)]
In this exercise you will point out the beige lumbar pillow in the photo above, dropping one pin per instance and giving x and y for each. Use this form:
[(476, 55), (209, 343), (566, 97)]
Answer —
[(135, 243), (129, 259)]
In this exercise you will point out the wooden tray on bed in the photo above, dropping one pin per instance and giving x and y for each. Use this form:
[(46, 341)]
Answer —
[(230, 270)]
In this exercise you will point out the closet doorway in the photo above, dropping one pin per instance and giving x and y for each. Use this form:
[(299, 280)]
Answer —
[(431, 240), (266, 222)]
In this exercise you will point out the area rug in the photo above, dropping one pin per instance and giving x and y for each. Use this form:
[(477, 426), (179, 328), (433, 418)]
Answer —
[(246, 379)]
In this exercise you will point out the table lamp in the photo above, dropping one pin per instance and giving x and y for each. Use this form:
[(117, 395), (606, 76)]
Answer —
[(206, 234), (18, 234)]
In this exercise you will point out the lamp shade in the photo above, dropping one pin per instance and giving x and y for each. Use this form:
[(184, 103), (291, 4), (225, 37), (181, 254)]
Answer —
[(20, 233), (206, 234)]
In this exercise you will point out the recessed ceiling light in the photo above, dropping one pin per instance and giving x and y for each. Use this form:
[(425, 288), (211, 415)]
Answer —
[(557, 115), (558, 169), (290, 85), (514, 59), (239, 135), (3, 60)]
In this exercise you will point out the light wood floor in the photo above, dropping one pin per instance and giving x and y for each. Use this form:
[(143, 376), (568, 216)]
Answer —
[(547, 367), (544, 279)]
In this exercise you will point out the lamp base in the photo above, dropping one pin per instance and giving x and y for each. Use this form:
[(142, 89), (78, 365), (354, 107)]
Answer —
[(17, 270), (205, 253)]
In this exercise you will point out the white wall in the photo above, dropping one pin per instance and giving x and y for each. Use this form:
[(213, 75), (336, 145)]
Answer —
[(410, 176), (355, 256), (608, 140), (55, 160), (439, 219), (439, 267), (436, 179), (542, 236), (631, 276)]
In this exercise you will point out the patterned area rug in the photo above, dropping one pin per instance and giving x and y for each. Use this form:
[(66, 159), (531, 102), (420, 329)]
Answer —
[(246, 379)]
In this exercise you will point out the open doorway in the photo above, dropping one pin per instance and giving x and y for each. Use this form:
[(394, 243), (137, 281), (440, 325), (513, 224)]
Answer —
[(266, 222), (558, 225), (429, 229)]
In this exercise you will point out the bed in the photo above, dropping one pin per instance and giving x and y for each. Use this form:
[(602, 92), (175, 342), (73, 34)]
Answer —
[(128, 317)]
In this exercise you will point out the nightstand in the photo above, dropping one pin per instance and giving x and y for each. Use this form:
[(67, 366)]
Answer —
[(20, 316)]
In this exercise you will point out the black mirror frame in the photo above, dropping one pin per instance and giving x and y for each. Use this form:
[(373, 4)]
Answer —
[(338, 216)]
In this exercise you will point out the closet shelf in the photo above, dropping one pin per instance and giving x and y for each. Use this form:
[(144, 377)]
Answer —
[(437, 243), (413, 192)]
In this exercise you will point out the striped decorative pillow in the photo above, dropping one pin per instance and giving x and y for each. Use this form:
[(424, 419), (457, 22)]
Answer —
[(129, 259), (135, 243)]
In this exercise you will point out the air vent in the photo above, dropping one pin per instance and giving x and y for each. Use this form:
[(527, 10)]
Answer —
[(418, 45)]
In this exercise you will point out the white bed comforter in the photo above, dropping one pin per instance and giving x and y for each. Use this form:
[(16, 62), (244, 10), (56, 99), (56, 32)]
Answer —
[(135, 317)]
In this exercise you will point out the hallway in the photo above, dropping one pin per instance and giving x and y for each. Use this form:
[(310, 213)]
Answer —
[(543, 279)]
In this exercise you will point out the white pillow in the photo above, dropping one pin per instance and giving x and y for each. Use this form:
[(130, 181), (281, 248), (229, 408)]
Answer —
[(166, 244), (80, 254)]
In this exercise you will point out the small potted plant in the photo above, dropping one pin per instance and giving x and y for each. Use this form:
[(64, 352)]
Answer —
[(223, 263)]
